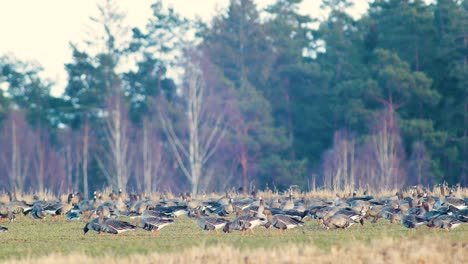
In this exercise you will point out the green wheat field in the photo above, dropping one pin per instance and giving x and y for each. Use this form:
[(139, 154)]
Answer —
[(62, 241)]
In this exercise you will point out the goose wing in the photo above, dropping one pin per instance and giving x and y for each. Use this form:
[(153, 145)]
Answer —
[(287, 221), (154, 223), (115, 226), (212, 223)]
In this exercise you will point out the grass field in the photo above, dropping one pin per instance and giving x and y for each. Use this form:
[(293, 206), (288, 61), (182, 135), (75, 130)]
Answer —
[(47, 241)]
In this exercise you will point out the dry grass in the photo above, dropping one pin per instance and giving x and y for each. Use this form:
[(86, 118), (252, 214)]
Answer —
[(318, 193), (414, 250)]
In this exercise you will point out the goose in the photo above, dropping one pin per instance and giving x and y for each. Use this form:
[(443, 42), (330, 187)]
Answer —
[(72, 215), (243, 223), (288, 203), (5, 212), (158, 214), (356, 216), (120, 204), (360, 206), (344, 218), (151, 223), (108, 225), (103, 210), (446, 222), (412, 221), (92, 225), (209, 223), (389, 212), (455, 202), (417, 210), (337, 221), (242, 204), (281, 221), (175, 210), (64, 208), (191, 204), (258, 211), (224, 210), (16, 206), (86, 207), (37, 212), (462, 215), (3, 229)]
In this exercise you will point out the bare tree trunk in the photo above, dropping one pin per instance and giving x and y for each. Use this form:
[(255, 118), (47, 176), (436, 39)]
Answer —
[(244, 163), (352, 166), (85, 158), (147, 158), (68, 163), (200, 146), (116, 161), (40, 162), (152, 158), (17, 139), (14, 175), (387, 143), (339, 163)]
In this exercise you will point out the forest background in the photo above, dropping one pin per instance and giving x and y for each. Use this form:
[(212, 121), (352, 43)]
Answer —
[(265, 99)]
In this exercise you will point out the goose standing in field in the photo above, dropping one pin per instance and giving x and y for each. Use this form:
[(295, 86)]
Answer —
[(244, 223), (344, 218), (92, 225), (337, 221), (412, 221), (37, 212), (446, 222), (209, 223), (73, 215), (151, 223), (288, 203), (225, 210), (108, 225), (462, 215), (65, 208), (281, 221), (103, 211), (114, 226), (154, 213), (5, 212)]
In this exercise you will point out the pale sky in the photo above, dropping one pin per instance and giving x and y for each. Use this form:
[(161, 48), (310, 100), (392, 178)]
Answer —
[(41, 30)]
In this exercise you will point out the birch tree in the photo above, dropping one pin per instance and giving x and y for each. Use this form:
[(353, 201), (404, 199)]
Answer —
[(206, 126), (387, 150), (340, 163), (84, 155), (115, 159), (16, 152), (149, 167)]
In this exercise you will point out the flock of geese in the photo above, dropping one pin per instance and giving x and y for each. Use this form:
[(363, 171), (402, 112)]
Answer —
[(412, 208)]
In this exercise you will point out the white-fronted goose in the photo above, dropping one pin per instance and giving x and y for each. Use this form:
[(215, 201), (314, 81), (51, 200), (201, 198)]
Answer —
[(288, 203), (108, 225), (281, 221), (412, 221), (462, 215), (209, 223), (244, 223), (343, 218), (64, 208), (446, 222), (150, 223)]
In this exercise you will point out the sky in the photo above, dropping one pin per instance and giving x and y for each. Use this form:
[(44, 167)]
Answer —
[(41, 31)]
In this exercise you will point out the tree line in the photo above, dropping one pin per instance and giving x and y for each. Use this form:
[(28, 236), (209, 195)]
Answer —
[(251, 99)]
